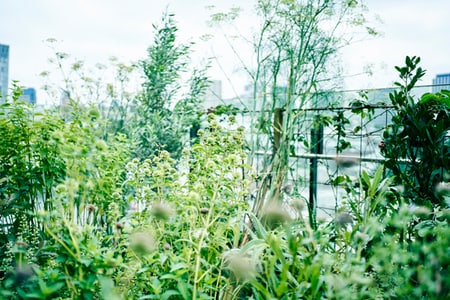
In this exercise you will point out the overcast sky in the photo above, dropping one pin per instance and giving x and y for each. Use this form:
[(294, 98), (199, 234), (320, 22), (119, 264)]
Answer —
[(94, 30)]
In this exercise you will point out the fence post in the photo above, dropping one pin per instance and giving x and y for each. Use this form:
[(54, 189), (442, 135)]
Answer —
[(277, 129), (316, 147)]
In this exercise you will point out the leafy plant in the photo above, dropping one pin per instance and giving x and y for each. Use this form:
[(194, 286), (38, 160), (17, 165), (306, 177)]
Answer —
[(66, 170), (30, 167), (294, 49), (186, 223), (160, 126), (415, 145)]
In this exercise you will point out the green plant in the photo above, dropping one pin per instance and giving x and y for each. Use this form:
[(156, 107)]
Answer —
[(73, 259), (31, 165), (94, 165), (164, 115), (63, 169), (184, 220), (415, 145), (111, 86), (294, 49)]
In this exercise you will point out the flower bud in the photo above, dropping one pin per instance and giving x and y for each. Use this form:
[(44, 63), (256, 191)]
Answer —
[(204, 210)]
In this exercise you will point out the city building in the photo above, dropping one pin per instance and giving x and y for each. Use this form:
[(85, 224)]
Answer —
[(441, 82), (28, 95), (4, 71), (64, 100)]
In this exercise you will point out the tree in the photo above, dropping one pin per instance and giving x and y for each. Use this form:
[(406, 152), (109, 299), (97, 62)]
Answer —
[(159, 125), (295, 49)]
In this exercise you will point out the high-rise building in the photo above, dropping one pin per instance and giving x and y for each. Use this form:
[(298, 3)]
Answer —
[(441, 82), (29, 95), (4, 70)]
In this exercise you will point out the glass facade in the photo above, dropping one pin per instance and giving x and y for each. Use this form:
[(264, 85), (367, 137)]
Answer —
[(441, 82), (29, 95), (4, 70)]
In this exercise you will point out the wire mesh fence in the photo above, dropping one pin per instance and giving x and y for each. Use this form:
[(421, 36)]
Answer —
[(334, 141)]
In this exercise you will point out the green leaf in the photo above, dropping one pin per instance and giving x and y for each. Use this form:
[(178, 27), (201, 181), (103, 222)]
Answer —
[(178, 269), (408, 61), (108, 288), (168, 294), (427, 97), (183, 288), (49, 290), (259, 230), (339, 180)]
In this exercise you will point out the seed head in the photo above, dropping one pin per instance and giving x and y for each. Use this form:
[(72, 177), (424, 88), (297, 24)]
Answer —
[(298, 204), (288, 188), (242, 266), (275, 215), (164, 154), (142, 242), (201, 132), (90, 208), (161, 211), (343, 219), (204, 210), (120, 226)]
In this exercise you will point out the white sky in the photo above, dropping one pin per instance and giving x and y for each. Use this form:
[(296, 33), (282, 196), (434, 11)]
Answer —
[(94, 30)]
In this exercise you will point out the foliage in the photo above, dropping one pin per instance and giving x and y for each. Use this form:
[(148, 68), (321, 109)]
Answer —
[(58, 176), (30, 167), (161, 123), (155, 111), (83, 216), (295, 48), (192, 220), (111, 86), (416, 145), (166, 230)]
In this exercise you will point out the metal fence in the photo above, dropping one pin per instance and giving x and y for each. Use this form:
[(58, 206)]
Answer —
[(315, 164)]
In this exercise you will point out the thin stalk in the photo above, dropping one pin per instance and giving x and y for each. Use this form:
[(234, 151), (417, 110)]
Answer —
[(207, 223)]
